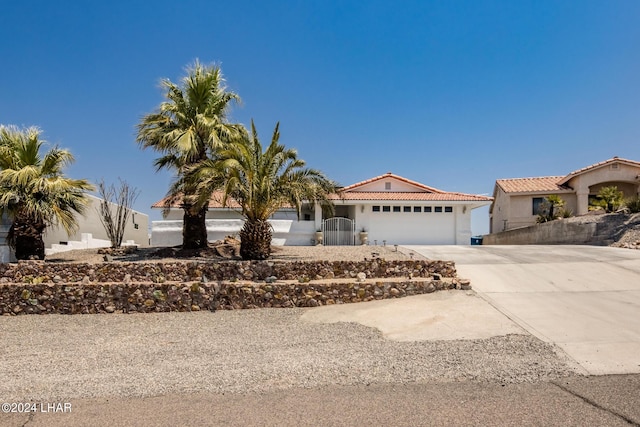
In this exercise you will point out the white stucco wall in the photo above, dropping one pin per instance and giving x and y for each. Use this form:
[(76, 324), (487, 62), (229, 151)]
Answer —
[(413, 228), (90, 223), (219, 213), (286, 232), (393, 227), (395, 185)]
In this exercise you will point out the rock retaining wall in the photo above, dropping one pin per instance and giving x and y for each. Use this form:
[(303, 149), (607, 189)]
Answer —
[(34, 287), (30, 271), (57, 298)]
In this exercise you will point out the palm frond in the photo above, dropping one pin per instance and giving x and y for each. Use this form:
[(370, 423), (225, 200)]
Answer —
[(190, 127), (262, 181)]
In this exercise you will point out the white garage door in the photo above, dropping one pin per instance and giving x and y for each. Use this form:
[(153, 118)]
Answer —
[(413, 228)]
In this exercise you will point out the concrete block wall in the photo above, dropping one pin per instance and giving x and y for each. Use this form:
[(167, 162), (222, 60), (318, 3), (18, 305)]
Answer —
[(550, 233)]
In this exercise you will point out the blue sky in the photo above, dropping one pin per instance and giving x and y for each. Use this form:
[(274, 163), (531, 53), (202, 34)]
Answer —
[(453, 94)]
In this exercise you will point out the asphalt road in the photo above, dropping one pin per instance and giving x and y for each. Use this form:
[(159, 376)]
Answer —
[(585, 299), (576, 401)]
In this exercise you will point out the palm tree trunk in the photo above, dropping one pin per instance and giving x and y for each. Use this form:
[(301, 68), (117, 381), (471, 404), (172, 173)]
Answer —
[(194, 229), (255, 240), (26, 237)]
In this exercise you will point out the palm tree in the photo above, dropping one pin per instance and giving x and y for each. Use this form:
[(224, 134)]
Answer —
[(261, 182), (187, 129), (34, 191)]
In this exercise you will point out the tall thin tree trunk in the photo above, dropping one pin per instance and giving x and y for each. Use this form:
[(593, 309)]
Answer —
[(194, 229)]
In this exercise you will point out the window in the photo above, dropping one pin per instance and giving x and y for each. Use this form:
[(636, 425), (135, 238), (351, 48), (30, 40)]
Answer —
[(448, 209), (375, 208), (417, 208), (406, 209), (537, 205), (387, 186), (427, 208), (438, 209), (396, 208), (386, 209)]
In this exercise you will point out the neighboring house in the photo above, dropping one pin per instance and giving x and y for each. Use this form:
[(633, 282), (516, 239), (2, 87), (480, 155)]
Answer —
[(90, 234), (517, 201), (136, 230), (390, 208)]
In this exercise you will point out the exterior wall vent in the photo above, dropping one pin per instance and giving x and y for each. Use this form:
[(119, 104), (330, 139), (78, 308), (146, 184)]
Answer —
[(387, 186)]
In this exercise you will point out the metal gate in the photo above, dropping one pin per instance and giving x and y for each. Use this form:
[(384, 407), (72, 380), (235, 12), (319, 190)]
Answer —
[(338, 231)]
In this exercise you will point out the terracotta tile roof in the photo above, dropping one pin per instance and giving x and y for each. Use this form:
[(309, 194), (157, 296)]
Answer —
[(553, 183), (598, 165), (422, 193), (441, 196), (215, 202), (391, 175), (531, 185)]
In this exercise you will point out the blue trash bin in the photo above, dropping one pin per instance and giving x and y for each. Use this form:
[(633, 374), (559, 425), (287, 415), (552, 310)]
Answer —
[(475, 241)]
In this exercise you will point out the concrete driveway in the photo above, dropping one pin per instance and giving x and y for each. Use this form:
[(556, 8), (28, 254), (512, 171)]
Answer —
[(585, 299)]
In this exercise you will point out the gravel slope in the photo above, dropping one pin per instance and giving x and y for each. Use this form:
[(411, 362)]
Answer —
[(61, 357)]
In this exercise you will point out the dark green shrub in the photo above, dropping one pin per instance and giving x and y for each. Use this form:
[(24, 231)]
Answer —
[(633, 204)]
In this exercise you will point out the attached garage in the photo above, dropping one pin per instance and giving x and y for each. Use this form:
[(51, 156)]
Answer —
[(398, 211), (413, 225)]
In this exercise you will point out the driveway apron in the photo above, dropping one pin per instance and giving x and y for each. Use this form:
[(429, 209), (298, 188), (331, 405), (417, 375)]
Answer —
[(585, 299)]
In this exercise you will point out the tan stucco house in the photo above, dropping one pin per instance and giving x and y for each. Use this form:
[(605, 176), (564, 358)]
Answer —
[(517, 200)]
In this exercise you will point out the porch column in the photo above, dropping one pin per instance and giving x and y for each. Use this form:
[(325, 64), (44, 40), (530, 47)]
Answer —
[(582, 198), (317, 210)]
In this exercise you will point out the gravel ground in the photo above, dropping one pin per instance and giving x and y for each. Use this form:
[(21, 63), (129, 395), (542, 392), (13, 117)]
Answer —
[(54, 357), (281, 253), (57, 357), (342, 253)]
